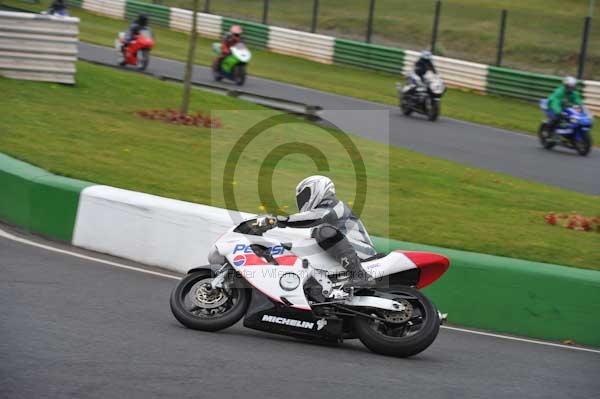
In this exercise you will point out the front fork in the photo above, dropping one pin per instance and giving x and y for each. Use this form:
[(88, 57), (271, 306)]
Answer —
[(220, 276)]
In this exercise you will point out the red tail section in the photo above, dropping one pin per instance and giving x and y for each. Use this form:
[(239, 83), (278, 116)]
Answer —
[(432, 266)]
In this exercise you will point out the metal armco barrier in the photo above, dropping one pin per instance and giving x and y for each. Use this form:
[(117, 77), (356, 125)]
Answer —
[(591, 92), (302, 44), (38, 47)]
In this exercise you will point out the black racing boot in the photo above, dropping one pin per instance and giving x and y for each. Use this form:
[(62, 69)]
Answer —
[(337, 245), (359, 278)]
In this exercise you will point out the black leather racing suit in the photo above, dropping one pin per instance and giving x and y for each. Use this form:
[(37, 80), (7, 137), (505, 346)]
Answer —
[(338, 231)]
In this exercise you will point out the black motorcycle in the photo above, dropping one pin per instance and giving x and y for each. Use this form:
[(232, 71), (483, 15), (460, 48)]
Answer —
[(422, 96)]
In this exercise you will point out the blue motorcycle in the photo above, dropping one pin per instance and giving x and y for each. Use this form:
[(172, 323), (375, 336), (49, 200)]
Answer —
[(572, 132)]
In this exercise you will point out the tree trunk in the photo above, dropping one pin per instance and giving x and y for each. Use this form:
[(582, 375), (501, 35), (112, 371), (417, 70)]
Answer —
[(189, 66)]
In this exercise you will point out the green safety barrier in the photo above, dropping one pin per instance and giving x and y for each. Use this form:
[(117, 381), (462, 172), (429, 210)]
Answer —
[(74, 3), (519, 84), (157, 14), (37, 200), (254, 33), (369, 56), (514, 296)]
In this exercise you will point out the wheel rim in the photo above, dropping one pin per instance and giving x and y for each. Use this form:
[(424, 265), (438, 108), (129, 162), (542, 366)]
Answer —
[(401, 324), (201, 300)]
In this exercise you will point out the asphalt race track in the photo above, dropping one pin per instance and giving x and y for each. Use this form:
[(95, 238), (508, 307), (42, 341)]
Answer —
[(71, 327), (476, 145)]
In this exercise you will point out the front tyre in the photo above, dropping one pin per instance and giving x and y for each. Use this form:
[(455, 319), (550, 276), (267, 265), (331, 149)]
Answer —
[(405, 106), (195, 305), (584, 144), (143, 59), (434, 110), (404, 333), (545, 137), (239, 74)]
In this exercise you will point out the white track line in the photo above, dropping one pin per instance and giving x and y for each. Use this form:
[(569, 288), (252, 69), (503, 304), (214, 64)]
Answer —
[(531, 341), (62, 251), (139, 269)]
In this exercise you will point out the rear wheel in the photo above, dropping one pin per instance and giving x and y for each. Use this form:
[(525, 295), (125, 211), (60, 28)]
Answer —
[(239, 75), (143, 59), (584, 144), (545, 137), (400, 333), (198, 306)]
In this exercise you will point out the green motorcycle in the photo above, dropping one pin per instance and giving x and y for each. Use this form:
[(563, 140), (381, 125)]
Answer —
[(232, 67)]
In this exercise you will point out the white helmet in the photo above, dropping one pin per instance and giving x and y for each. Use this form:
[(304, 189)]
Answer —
[(570, 82), (312, 190), (426, 54)]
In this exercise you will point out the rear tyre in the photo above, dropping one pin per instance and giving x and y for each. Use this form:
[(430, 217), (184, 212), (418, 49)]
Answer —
[(434, 110), (406, 333), (584, 145), (143, 59), (545, 137), (197, 307), (239, 75)]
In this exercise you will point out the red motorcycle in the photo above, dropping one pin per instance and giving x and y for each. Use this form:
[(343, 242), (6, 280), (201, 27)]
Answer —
[(137, 52)]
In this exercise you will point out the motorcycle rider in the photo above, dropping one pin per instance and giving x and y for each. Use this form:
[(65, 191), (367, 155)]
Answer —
[(336, 229), (423, 65), (139, 24), (58, 7), (231, 38), (563, 96)]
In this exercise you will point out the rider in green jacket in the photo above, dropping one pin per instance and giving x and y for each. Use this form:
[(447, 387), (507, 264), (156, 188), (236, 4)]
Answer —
[(563, 96)]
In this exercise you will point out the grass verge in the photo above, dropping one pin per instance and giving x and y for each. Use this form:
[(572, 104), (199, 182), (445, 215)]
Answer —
[(90, 131), (490, 110)]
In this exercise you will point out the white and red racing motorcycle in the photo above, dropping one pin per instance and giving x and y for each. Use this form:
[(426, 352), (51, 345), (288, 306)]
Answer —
[(295, 288)]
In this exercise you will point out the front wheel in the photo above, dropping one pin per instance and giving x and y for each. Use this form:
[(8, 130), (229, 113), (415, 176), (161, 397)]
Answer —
[(400, 333), (545, 137), (143, 59), (199, 307), (405, 106), (239, 75), (434, 110), (584, 144)]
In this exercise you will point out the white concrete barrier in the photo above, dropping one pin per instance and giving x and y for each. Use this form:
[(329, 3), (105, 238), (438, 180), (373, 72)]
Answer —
[(38, 47), (111, 8), (207, 25), (301, 44), (455, 73), (157, 231), (591, 93), (180, 20)]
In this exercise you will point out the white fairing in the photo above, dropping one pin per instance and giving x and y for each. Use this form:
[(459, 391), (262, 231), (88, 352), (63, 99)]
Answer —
[(436, 85), (265, 277), (120, 39), (241, 52)]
